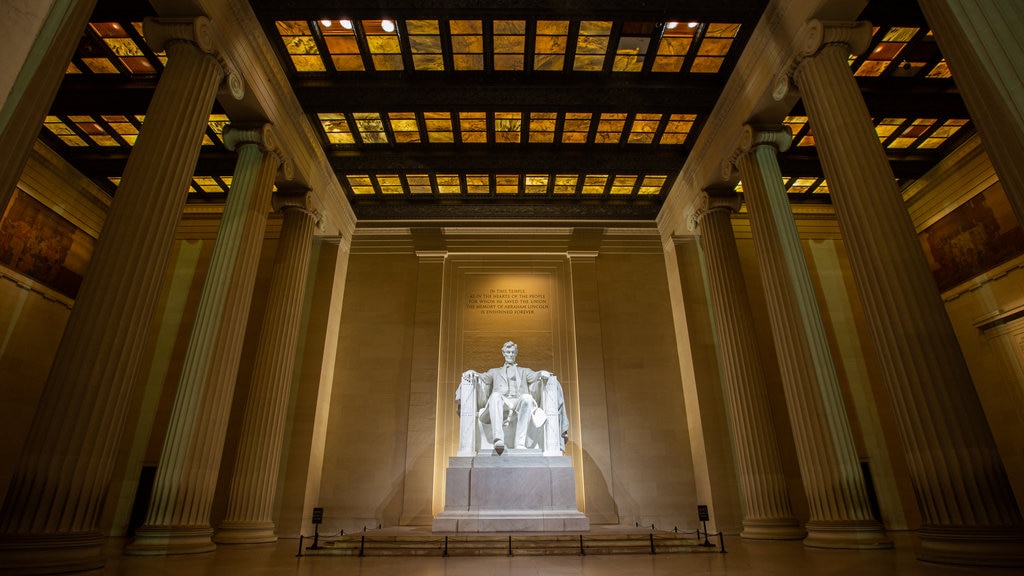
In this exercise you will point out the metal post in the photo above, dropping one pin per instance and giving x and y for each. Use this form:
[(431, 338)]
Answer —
[(652, 542), (299, 555), (445, 553), (582, 551), (362, 544), (721, 542)]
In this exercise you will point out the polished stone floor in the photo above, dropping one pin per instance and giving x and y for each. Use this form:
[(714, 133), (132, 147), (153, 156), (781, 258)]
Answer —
[(744, 558)]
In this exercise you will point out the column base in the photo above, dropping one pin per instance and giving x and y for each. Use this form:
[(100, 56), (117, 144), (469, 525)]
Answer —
[(51, 553), (971, 545), (153, 540), (847, 535), (245, 533), (772, 529)]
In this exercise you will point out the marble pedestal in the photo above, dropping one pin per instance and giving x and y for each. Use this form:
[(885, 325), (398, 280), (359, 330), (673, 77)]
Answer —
[(519, 491)]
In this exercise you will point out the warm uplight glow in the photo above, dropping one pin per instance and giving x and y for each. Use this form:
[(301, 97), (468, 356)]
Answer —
[(346, 24), (672, 25), (387, 25), (326, 23)]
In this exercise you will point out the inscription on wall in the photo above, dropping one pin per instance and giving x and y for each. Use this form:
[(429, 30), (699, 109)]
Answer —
[(507, 302)]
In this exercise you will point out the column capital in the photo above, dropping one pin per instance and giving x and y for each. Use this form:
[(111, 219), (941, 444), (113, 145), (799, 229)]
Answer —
[(778, 136), (198, 31), (813, 37), (711, 200), (298, 199), (262, 135)]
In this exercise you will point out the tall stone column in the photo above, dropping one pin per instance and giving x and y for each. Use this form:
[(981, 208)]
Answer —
[(50, 516), (767, 514), (840, 512), (178, 521), (968, 509), (981, 41), (249, 518)]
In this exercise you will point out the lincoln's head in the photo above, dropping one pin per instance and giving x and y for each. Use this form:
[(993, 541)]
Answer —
[(510, 350)]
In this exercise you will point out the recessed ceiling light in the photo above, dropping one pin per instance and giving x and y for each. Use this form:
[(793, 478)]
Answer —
[(691, 25), (672, 25), (326, 23), (346, 24), (387, 25)]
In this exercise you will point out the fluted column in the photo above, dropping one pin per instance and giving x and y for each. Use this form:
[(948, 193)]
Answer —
[(840, 513), (767, 514), (981, 40), (249, 518), (968, 510), (50, 515), (178, 521)]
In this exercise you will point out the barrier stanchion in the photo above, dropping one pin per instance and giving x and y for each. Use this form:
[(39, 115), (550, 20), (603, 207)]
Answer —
[(721, 542), (299, 555), (582, 551)]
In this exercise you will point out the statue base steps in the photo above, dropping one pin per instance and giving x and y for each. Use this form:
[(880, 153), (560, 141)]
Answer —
[(518, 491)]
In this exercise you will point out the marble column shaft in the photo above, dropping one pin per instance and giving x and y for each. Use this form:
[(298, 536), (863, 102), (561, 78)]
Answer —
[(179, 512), (254, 482), (64, 473), (766, 513), (982, 42), (963, 492), (840, 513)]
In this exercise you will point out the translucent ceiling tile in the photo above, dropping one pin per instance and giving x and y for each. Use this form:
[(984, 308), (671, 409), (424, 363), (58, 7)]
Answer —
[(542, 127), (592, 45), (801, 185), (652, 185), (887, 127), (385, 49), (390, 184), (506, 184), (120, 42), (509, 44), (342, 46), (594, 184), (72, 69), (100, 65), (439, 127), (675, 44), (713, 49), (536, 183), (942, 134), (508, 127), (124, 128), (425, 44), (576, 127), (634, 41), (478, 184), (115, 180), (361, 184), (419, 184), (622, 185), (610, 127), (941, 70), (678, 128), (61, 130), (549, 48), (467, 44), (405, 127), (448, 184), (912, 133), (473, 126), (298, 42), (565, 183), (644, 128), (886, 51), (371, 128), (217, 122), (208, 184), (822, 187), (796, 124), (336, 128)]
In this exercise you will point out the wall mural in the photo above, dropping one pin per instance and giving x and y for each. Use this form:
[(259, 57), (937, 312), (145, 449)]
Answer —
[(976, 237), (39, 243)]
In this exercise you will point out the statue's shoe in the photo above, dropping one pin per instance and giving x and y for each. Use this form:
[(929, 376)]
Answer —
[(499, 446)]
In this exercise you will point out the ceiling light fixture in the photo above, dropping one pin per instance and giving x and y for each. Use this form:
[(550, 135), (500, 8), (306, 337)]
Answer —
[(346, 24), (672, 25), (387, 25), (691, 25), (326, 23)]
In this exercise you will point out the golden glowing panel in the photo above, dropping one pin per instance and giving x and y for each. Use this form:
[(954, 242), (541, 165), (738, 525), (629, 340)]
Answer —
[(508, 127), (439, 127), (361, 185), (549, 46), (371, 127), (886, 51), (419, 184), (678, 128), (100, 65), (473, 126), (576, 127), (124, 128), (124, 47), (633, 45), (941, 70), (509, 44), (565, 183), (652, 185), (208, 184), (61, 130), (912, 133), (115, 180), (609, 128), (542, 127), (467, 44), (425, 44), (72, 69), (478, 184), (675, 43), (449, 184), (390, 184), (298, 42), (405, 127), (506, 184), (336, 128), (714, 47), (594, 184), (591, 45), (887, 127), (385, 49), (942, 134), (343, 47), (623, 185), (800, 185), (88, 126), (217, 122), (643, 129), (536, 183)]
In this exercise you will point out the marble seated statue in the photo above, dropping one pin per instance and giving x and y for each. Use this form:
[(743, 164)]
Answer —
[(511, 406)]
